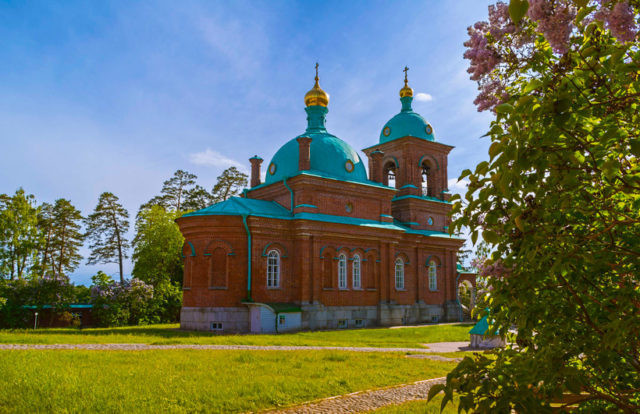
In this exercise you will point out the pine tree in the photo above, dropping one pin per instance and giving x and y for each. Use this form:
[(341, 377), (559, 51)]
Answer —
[(106, 229), (229, 184), (45, 226), (66, 237), (173, 193), (197, 198)]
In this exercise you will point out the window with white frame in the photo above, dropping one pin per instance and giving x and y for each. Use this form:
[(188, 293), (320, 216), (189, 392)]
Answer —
[(399, 273), (273, 269), (433, 276), (355, 271), (342, 271)]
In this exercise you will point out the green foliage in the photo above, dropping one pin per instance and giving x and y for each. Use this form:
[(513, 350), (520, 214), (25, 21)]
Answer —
[(559, 201), (19, 235), (101, 279), (66, 237), (174, 191), (106, 229), (157, 247), (229, 184), (37, 292)]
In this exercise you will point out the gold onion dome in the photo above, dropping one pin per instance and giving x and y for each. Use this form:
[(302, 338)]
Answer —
[(316, 96), (406, 90)]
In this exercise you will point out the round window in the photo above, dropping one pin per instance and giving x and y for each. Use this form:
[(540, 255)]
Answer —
[(349, 207), (428, 129), (272, 169), (349, 166), (386, 131), (430, 221)]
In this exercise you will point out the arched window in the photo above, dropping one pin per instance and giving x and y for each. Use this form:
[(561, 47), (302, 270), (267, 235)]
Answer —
[(273, 269), (433, 276), (355, 271), (389, 174), (399, 273), (342, 271), (427, 180)]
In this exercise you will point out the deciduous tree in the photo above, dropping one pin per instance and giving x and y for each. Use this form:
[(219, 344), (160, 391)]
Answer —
[(19, 235), (157, 247), (559, 201)]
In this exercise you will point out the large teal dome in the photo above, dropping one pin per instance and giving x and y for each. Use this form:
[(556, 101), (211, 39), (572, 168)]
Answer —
[(406, 123), (330, 156)]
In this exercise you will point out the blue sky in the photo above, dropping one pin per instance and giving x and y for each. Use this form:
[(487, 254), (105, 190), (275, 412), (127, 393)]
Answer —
[(116, 96)]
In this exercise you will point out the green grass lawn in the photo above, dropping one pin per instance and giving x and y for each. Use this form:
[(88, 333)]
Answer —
[(194, 380), (419, 407), (170, 334)]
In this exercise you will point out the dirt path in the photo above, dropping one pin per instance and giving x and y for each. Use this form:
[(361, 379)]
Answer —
[(358, 402), (143, 347)]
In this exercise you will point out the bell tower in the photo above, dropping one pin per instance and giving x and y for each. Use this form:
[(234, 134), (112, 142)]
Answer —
[(409, 159)]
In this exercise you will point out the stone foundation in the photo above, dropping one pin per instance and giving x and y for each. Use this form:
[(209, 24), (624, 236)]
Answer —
[(318, 316)]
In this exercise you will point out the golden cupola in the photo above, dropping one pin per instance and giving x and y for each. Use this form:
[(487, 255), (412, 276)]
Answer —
[(316, 96), (406, 90)]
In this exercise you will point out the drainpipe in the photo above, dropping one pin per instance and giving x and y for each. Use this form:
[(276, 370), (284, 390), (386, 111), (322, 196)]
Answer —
[(246, 227), (291, 191)]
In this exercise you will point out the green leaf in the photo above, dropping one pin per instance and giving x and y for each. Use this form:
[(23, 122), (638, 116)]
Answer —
[(490, 237), (464, 173), (532, 85), (504, 108), (434, 390), (494, 149), (518, 9)]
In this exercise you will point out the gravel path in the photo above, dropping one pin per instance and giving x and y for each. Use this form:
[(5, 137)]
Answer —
[(366, 400), (144, 347)]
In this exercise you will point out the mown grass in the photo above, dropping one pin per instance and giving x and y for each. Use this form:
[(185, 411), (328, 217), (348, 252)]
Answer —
[(419, 407), (171, 334), (194, 380)]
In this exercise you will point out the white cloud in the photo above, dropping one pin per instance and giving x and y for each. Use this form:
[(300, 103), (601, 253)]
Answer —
[(214, 159), (423, 97), (459, 187)]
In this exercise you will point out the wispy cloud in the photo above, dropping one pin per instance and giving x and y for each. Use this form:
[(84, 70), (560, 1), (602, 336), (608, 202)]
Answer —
[(459, 187), (423, 97), (214, 159)]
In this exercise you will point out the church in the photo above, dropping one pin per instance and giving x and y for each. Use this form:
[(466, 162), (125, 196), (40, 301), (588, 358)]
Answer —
[(321, 244)]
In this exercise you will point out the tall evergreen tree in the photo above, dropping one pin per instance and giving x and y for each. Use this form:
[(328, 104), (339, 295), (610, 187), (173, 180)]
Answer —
[(106, 229), (45, 225), (19, 236), (197, 198), (174, 191), (66, 237), (229, 184)]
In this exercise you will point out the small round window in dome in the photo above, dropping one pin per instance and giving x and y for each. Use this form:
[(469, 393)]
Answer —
[(272, 169), (349, 166), (428, 129), (386, 131), (430, 221), (349, 207)]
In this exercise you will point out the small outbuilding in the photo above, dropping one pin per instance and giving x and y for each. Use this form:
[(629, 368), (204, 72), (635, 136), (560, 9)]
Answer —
[(480, 337)]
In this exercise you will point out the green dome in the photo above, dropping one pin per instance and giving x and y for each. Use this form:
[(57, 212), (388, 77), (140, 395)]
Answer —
[(330, 156), (406, 123)]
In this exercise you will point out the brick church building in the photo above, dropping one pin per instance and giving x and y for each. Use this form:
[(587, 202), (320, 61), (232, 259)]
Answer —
[(321, 244)]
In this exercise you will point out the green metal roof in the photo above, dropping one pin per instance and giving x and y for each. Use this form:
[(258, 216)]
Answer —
[(72, 306), (406, 123), (236, 206), (284, 307), (481, 327), (329, 154), (464, 271)]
